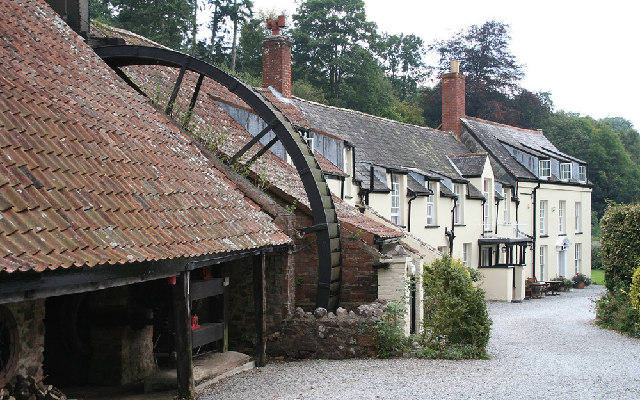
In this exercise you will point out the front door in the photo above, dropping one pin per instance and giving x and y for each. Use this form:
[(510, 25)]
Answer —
[(562, 262)]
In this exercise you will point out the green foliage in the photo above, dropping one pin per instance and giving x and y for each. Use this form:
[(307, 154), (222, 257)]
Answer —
[(577, 278), (620, 244), (306, 90), (456, 321), (634, 291), (389, 339), (597, 277), (168, 22), (615, 311)]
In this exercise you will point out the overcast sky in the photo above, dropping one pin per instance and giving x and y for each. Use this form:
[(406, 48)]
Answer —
[(586, 53)]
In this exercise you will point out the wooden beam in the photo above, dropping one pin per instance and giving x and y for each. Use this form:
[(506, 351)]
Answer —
[(174, 92), (260, 305), (184, 364)]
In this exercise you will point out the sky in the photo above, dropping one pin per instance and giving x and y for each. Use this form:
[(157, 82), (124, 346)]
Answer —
[(586, 53)]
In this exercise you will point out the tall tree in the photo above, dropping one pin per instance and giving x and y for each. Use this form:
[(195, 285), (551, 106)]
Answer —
[(239, 12), (326, 34), (219, 14), (168, 22), (402, 57), (252, 34)]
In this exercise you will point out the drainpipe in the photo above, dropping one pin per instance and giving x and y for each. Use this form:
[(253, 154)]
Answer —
[(535, 226), (482, 205), (342, 187), (370, 182), (409, 212), (450, 234), (497, 214)]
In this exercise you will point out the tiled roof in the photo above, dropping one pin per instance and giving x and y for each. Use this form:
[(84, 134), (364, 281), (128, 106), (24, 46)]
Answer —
[(469, 165), (222, 134), (385, 142), (493, 135), (90, 172)]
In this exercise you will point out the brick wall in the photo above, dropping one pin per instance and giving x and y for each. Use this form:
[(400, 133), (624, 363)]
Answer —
[(453, 102), (359, 279), (276, 64), (29, 316)]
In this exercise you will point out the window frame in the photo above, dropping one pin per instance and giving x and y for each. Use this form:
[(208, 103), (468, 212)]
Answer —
[(563, 171), (582, 173), (542, 217), (577, 257), (547, 168), (578, 216), (430, 206), (458, 217), (543, 261), (487, 188), (395, 195), (506, 216), (466, 253)]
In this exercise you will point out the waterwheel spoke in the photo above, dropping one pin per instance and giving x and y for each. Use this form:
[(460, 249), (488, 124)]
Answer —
[(253, 141), (262, 150), (174, 93), (194, 98)]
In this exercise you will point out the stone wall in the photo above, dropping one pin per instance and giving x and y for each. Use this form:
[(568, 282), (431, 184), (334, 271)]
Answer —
[(345, 334), (29, 316)]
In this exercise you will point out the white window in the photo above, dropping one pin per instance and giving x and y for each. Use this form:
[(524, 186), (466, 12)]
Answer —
[(545, 169), (565, 171), (543, 262), (431, 215), (348, 169), (487, 187), (486, 256), (582, 173), (562, 220), (395, 199), (466, 253), (578, 261), (543, 217), (507, 206), (457, 211), (578, 216)]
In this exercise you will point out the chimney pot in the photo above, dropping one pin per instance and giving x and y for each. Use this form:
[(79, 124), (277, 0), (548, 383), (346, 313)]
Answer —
[(455, 66)]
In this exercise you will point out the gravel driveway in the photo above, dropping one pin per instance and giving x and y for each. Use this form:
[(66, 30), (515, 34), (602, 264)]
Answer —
[(541, 349)]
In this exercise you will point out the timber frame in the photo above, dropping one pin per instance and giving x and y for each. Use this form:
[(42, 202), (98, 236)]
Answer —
[(322, 207)]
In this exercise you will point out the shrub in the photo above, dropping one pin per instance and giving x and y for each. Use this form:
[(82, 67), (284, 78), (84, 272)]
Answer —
[(614, 311), (620, 244), (389, 338), (581, 278), (634, 291), (456, 322)]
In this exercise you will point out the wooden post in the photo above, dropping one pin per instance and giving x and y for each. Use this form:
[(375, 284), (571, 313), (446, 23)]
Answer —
[(259, 303), (184, 363)]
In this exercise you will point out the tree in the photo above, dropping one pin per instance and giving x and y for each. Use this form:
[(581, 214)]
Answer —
[(252, 34), (239, 11), (219, 12), (629, 136), (401, 57), (327, 32), (99, 10), (168, 22)]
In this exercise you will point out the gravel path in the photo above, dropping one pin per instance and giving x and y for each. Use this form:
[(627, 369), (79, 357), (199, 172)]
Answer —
[(541, 349)]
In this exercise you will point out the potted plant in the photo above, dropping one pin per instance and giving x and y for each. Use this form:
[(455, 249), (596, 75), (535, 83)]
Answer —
[(566, 283), (581, 281)]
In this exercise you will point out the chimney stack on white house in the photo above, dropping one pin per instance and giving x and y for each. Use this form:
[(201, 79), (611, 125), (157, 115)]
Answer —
[(276, 58), (453, 102)]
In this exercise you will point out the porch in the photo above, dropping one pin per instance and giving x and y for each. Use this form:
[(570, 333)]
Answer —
[(502, 263)]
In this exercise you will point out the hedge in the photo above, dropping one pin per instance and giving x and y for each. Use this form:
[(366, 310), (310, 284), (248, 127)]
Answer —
[(620, 244)]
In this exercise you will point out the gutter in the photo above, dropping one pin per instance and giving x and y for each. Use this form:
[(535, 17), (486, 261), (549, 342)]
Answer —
[(450, 233)]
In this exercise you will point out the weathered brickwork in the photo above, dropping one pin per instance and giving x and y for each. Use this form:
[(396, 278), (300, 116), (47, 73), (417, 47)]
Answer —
[(276, 64), (29, 316), (453, 102)]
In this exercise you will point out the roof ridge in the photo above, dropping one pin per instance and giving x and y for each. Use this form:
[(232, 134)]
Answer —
[(540, 132), (372, 116), (470, 154)]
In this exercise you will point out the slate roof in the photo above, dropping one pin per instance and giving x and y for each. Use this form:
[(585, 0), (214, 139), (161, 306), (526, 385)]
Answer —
[(414, 187), (223, 135), (90, 172), (384, 142), (493, 135), (470, 165)]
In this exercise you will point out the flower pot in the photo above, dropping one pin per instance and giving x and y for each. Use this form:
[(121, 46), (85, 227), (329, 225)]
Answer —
[(580, 285)]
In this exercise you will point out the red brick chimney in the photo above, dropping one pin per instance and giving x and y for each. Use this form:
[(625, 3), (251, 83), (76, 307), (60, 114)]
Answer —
[(276, 59), (453, 105)]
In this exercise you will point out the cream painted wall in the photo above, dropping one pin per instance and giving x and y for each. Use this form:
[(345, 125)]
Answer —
[(497, 283), (334, 184), (553, 193)]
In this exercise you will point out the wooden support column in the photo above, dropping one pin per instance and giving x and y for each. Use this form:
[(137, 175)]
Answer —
[(260, 305), (182, 305)]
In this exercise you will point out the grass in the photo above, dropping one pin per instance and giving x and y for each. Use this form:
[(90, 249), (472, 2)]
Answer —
[(597, 276)]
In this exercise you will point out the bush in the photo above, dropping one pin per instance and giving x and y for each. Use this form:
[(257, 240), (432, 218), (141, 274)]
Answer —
[(581, 278), (634, 291), (614, 311), (389, 338), (620, 244), (456, 322)]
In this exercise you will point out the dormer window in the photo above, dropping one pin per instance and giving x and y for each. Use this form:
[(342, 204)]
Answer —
[(565, 171), (545, 169), (582, 173)]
